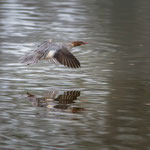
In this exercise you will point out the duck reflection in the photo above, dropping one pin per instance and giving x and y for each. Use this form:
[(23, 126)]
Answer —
[(55, 99)]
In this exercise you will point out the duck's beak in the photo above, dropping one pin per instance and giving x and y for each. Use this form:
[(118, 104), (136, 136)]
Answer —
[(85, 42)]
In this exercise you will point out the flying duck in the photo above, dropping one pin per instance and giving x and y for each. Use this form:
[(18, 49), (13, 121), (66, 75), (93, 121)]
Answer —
[(54, 52)]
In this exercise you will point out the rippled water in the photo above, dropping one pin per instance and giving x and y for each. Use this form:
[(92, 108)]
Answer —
[(103, 105)]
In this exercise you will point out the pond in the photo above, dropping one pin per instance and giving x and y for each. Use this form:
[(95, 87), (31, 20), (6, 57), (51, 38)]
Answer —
[(104, 105)]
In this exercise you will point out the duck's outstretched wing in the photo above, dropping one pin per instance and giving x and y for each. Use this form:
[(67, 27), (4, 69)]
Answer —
[(34, 56), (65, 57)]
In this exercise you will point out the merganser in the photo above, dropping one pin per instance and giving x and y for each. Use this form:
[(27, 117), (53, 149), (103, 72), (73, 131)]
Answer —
[(53, 52)]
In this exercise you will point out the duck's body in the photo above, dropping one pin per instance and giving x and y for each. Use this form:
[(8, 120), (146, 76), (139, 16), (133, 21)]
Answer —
[(55, 53)]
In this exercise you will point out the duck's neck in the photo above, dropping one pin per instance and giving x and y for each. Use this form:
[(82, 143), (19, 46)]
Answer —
[(69, 45)]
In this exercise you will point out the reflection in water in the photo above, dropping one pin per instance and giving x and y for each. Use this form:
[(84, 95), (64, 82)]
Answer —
[(54, 99)]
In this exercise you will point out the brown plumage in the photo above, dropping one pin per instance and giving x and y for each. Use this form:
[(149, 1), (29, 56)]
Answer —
[(55, 53)]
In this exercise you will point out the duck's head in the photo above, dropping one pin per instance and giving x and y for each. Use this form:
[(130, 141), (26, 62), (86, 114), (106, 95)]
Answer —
[(78, 43)]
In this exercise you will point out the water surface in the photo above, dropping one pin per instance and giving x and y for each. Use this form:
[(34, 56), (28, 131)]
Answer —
[(103, 105)]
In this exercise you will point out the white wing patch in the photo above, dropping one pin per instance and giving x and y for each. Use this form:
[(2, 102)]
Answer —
[(50, 54)]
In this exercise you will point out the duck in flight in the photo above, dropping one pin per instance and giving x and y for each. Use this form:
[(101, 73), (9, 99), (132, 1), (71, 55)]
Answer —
[(57, 53)]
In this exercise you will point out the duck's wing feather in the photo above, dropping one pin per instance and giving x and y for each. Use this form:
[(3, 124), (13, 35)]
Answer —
[(65, 57), (34, 56)]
